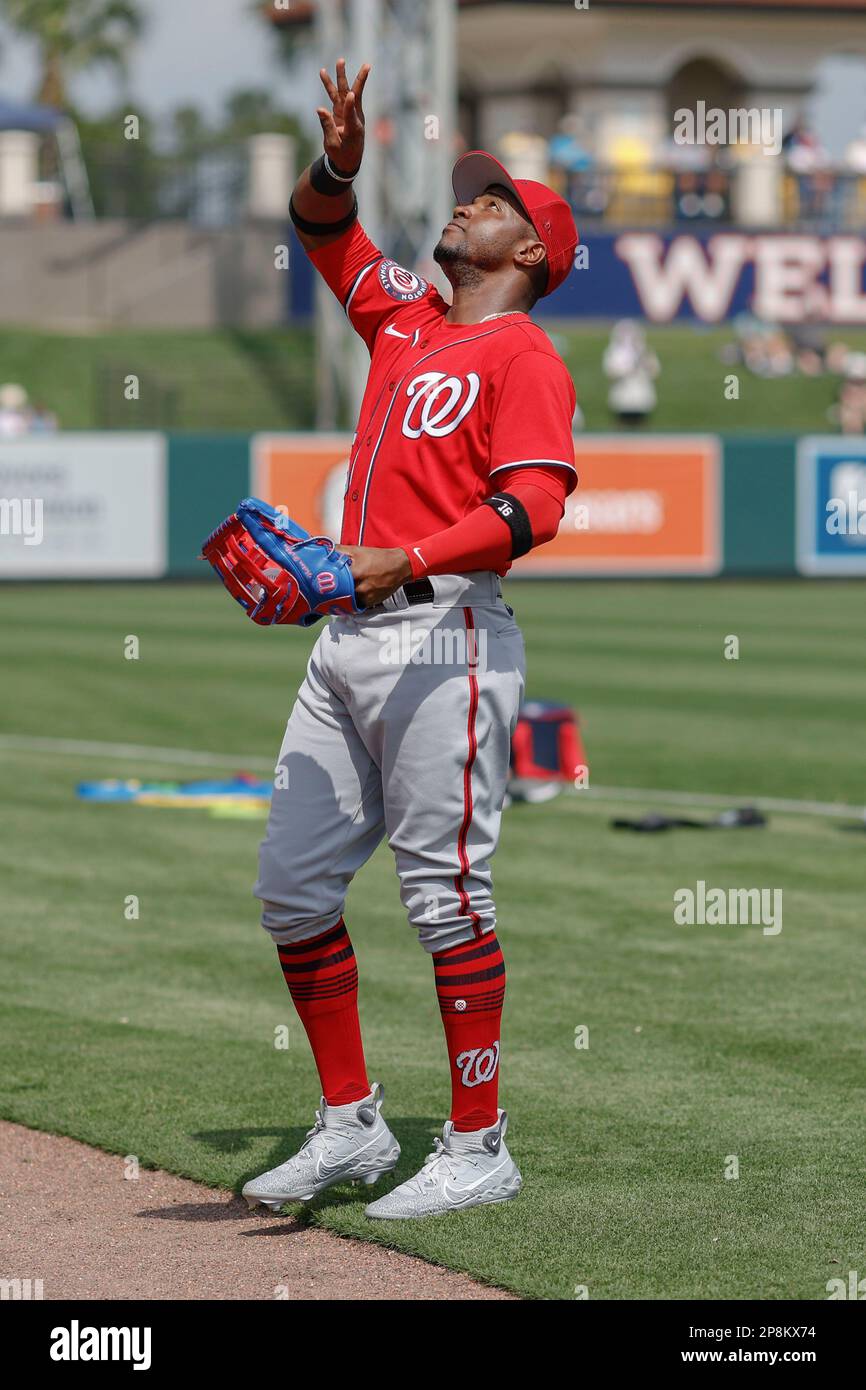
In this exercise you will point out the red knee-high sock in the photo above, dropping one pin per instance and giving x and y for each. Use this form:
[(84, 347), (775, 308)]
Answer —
[(322, 977), (470, 983)]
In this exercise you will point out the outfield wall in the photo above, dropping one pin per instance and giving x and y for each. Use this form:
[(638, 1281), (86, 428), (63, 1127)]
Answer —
[(138, 505)]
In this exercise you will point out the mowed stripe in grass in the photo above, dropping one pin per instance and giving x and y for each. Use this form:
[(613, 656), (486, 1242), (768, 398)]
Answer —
[(156, 1036)]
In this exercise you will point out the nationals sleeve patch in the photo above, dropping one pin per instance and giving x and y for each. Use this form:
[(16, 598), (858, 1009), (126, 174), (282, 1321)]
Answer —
[(401, 284)]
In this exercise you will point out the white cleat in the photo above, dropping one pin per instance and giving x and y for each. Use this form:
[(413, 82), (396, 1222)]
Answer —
[(464, 1170), (348, 1143)]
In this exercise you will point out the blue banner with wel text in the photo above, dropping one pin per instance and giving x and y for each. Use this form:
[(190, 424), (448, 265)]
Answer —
[(700, 275)]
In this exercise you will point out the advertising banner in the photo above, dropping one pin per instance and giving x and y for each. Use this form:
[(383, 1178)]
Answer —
[(709, 276), (643, 505), (305, 474), (701, 275), (83, 506), (831, 505)]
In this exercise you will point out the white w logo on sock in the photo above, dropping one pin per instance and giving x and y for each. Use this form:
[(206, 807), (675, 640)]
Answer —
[(478, 1064)]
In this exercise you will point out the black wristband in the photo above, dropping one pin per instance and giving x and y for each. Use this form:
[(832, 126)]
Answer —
[(323, 180), (322, 228), (516, 518)]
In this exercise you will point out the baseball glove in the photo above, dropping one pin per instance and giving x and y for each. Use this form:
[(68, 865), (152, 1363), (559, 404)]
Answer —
[(276, 570)]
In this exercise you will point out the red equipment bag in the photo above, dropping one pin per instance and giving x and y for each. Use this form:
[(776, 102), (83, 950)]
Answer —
[(547, 744)]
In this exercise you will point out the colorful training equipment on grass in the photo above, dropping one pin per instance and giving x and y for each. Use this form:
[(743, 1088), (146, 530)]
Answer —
[(241, 791)]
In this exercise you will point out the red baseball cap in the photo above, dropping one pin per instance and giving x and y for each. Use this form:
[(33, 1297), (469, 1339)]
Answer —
[(549, 214)]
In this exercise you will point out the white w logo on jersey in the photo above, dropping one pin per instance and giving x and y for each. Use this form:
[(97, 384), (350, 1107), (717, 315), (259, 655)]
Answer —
[(433, 400)]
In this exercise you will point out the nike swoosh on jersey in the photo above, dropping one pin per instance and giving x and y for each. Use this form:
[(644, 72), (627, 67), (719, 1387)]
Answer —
[(420, 556), (395, 332)]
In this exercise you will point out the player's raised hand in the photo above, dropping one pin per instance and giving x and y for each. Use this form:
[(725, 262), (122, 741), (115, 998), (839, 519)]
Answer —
[(343, 125)]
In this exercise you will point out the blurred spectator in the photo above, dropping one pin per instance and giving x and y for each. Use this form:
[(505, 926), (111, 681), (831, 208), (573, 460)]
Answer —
[(565, 153), (14, 411), (764, 348), (700, 183), (809, 343), (809, 162), (631, 367), (42, 420), (853, 198), (18, 417), (849, 411), (566, 150), (855, 154)]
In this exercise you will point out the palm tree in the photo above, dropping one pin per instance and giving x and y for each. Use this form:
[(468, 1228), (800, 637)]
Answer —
[(73, 35)]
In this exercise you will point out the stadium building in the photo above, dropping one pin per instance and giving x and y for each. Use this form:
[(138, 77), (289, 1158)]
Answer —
[(621, 68)]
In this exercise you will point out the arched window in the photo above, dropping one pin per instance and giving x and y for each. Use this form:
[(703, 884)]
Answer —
[(703, 79)]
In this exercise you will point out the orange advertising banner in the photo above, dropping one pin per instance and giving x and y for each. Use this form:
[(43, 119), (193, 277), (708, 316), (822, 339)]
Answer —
[(643, 505), (305, 474)]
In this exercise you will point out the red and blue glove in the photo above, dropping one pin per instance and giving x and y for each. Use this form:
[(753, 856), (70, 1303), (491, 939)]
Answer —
[(276, 570)]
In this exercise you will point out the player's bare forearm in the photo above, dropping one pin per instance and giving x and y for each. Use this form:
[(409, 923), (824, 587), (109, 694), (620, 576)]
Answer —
[(343, 141), (377, 571)]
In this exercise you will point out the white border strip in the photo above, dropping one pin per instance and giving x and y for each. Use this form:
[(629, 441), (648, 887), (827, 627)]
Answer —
[(763, 803), (139, 752)]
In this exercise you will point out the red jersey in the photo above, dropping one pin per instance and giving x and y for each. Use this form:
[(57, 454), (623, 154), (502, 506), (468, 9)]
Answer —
[(450, 411)]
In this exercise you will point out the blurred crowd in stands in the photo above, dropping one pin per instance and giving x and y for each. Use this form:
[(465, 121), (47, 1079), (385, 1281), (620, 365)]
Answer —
[(631, 367), (639, 182), (804, 349)]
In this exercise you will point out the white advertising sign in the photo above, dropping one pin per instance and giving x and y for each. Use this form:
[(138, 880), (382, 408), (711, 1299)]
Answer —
[(83, 506)]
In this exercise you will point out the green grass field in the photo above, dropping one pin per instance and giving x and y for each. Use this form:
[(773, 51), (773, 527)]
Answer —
[(156, 1037), (235, 380)]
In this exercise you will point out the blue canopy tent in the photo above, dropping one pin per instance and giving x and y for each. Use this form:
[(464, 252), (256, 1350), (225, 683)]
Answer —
[(46, 120), (22, 116)]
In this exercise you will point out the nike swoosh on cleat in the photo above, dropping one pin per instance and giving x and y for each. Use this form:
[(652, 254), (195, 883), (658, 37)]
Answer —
[(327, 1170), (456, 1197)]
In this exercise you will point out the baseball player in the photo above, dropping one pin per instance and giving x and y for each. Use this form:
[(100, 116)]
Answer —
[(461, 461)]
